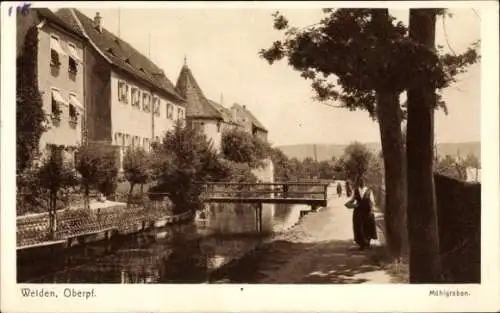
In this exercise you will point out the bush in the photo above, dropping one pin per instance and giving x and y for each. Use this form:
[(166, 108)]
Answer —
[(241, 147), (357, 159), (184, 159), (137, 167), (98, 169), (30, 117)]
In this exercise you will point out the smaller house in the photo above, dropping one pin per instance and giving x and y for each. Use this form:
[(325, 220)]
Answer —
[(227, 116), (248, 121)]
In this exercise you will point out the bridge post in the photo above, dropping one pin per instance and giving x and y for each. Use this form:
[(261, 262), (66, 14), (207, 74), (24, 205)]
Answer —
[(258, 217), (285, 191)]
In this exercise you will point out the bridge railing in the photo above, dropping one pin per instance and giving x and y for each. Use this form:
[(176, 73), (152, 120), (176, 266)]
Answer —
[(283, 190)]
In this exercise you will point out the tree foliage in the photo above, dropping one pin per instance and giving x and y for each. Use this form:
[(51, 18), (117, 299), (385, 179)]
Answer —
[(54, 177), (471, 160), (98, 169), (184, 159), (353, 53), (137, 167), (282, 170), (357, 159), (30, 117), (451, 167), (55, 174), (240, 146)]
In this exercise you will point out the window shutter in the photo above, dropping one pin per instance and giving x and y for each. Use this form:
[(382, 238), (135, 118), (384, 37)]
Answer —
[(126, 93), (119, 91)]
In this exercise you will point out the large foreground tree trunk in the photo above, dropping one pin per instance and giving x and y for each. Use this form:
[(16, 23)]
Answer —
[(389, 120), (425, 263)]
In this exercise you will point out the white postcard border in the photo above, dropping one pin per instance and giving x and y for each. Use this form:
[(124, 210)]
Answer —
[(259, 298)]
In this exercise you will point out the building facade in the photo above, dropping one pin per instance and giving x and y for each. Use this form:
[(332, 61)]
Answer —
[(60, 71), (130, 102)]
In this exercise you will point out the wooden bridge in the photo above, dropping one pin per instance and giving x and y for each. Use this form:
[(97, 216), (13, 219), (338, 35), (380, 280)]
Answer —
[(314, 194)]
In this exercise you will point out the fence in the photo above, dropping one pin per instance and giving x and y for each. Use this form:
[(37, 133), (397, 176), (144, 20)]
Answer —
[(312, 190), (459, 222), (34, 229)]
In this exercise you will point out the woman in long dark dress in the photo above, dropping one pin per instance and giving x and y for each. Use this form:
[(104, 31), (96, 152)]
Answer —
[(363, 218)]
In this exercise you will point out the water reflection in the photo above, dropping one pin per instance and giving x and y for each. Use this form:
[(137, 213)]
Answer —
[(179, 254)]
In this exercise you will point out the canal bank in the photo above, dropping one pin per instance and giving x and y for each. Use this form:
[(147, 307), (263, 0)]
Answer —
[(176, 253), (316, 250)]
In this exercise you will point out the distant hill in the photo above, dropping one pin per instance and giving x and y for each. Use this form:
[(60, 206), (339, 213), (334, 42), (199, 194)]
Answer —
[(327, 151)]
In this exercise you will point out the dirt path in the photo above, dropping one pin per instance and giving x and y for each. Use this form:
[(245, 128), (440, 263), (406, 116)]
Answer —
[(317, 250)]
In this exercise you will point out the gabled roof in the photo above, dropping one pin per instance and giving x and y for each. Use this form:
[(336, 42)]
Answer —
[(249, 114), (53, 18), (198, 106), (227, 115), (120, 53)]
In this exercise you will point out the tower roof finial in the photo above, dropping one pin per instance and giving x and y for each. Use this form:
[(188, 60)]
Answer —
[(185, 60)]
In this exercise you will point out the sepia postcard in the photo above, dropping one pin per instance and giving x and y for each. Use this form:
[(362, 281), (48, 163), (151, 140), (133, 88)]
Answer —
[(250, 156)]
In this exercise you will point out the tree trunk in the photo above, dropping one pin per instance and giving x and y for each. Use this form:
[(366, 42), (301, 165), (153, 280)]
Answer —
[(425, 263), (131, 190), (389, 121), (86, 197), (52, 215)]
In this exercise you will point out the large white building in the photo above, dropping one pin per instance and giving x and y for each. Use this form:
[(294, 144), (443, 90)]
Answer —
[(60, 77), (130, 101)]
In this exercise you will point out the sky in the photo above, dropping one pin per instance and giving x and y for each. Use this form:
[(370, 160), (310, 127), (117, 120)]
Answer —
[(221, 47)]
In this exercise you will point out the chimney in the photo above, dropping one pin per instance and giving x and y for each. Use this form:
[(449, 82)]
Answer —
[(98, 21)]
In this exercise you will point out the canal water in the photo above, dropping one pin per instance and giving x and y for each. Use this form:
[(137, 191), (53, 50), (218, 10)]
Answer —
[(187, 253)]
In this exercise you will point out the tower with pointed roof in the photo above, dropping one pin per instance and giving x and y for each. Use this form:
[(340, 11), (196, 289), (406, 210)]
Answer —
[(200, 112)]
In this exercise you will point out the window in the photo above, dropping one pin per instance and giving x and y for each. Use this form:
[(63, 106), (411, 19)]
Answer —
[(122, 91), (170, 110), (145, 144), (73, 114), (74, 107), (73, 59), (136, 97), (156, 106), (57, 101), (146, 105), (218, 127), (55, 52), (179, 113)]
